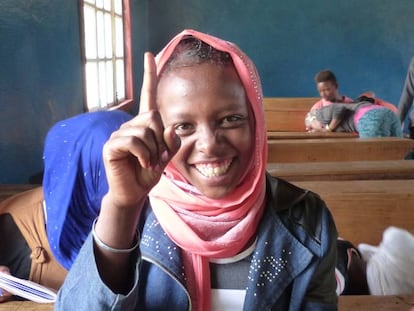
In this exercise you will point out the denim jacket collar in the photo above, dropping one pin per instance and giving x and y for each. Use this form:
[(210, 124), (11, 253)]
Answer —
[(279, 257)]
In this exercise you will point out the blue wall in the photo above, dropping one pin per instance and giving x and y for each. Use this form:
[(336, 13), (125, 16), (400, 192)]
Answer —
[(40, 79), (367, 43)]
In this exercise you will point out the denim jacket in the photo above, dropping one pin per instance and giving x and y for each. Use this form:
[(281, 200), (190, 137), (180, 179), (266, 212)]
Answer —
[(292, 267)]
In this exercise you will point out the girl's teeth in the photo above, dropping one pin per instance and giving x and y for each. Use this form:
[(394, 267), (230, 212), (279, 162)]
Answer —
[(213, 171)]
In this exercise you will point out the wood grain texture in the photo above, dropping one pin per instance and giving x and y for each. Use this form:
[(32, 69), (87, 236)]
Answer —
[(347, 170), (363, 209), (344, 149)]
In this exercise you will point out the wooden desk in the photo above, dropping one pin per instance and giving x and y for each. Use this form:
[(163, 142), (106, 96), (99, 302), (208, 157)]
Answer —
[(271, 135), (335, 149), (346, 170), (346, 303), (376, 303), (287, 113), (26, 306), (363, 209)]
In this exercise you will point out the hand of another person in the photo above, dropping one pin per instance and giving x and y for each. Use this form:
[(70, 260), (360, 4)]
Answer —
[(316, 126), (5, 295)]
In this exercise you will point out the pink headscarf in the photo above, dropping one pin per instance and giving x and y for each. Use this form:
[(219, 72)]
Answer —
[(209, 228)]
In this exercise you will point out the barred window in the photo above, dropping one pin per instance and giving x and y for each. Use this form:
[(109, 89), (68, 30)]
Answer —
[(106, 54)]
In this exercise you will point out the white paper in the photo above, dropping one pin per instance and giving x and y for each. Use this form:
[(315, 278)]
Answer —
[(26, 289)]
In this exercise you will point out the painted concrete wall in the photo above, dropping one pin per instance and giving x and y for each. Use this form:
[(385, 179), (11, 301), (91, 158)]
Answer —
[(368, 43), (40, 79)]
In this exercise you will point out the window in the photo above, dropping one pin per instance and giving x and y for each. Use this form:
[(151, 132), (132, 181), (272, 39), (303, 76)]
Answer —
[(106, 54)]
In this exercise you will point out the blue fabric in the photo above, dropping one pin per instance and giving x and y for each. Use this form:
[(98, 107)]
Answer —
[(380, 122), (74, 179)]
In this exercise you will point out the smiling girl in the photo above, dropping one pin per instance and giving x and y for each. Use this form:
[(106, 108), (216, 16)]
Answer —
[(191, 220)]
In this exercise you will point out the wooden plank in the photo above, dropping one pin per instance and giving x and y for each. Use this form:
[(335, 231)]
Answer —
[(289, 103), (307, 135), (287, 113), (344, 149), (25, 306), (349, 170), (345, 303), (376, 303), (363, 209)]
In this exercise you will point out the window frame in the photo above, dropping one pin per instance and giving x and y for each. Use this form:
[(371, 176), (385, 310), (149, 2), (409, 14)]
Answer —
[(128, 103)]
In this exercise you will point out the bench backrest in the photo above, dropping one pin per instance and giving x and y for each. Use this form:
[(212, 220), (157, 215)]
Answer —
[(343, 170), (375, 302), (271, 135), (344, 149), (363, 209), (287, 114)]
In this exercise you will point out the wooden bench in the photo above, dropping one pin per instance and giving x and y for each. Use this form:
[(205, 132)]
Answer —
[(287, 114), (376, 303), (344, 149), (285, 118), (271, 135), (343, 170), (345, 303), (363, 209), (25, 306)]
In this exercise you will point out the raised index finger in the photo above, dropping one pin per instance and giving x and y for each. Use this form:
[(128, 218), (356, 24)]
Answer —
[(149, 84)]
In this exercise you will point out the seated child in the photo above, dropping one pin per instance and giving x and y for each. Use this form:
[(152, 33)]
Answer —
[(43, 229)]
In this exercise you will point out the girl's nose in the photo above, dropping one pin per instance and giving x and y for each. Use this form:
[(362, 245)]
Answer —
[(207, 140)]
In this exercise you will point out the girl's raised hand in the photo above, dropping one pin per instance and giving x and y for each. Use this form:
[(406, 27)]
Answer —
[(136, 155)]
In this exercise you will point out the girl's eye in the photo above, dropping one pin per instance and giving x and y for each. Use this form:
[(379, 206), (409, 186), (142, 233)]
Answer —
[(232, 118), (183, 128), (233, 121)]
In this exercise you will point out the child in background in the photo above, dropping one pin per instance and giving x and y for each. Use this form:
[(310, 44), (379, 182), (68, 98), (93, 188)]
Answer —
[(43, 229), (328, 89)]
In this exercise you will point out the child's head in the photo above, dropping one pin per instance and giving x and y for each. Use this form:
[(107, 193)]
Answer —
[(201, 95), (327, 85), (209, 91), (192, 51)]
